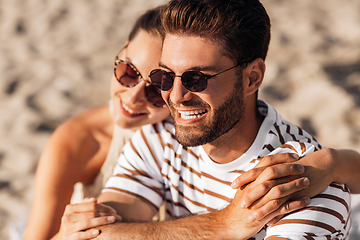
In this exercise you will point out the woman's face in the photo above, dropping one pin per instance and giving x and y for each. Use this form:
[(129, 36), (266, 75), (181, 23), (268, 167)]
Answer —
[(131, 109)]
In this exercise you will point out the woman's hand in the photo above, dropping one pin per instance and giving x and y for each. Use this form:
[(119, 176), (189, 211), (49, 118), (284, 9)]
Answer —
[(79, 219)]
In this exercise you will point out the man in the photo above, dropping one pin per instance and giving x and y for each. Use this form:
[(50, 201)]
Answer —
[(211, 68)]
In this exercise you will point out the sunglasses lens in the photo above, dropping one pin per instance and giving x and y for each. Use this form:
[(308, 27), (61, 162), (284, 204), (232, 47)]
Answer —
[(153, 94), (194, 81), (126, 75), (161, 79)]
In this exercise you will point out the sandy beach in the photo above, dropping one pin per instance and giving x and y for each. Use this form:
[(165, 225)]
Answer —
[(56, 59)]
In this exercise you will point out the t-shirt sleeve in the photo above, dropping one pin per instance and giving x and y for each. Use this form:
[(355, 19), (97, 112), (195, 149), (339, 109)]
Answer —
[(138, 170), (326, 217)]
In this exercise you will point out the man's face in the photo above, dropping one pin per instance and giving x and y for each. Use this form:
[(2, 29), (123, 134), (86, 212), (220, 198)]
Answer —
[(201, 117)]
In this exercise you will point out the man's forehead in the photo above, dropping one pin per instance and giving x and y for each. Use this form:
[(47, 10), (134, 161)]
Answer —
[(190, 49), (189, 37), (191, 44)]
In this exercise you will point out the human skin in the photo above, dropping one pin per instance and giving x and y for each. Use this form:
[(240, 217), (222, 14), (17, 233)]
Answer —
[(323, 167), (78, 148), (182, 53), (238, 220), (253, 75), (203, 226), (233, 219), (274, 190), (143, 52)]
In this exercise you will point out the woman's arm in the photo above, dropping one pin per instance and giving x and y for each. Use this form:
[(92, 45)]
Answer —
[(347, 168), (75, 153)]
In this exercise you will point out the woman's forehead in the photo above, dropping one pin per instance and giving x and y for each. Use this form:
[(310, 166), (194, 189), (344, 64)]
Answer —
[(144, 51)]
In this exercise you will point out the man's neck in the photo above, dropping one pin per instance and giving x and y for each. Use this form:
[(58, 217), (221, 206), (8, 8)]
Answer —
[(237, 141)]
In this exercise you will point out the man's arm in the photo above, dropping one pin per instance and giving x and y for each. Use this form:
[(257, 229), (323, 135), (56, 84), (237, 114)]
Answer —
[(80, 219), (129, 207), (207, 226), (232, 222), (136, 216)]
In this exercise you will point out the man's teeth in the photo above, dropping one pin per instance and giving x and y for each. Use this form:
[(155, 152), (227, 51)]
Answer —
[(191, 114), (128, 109)]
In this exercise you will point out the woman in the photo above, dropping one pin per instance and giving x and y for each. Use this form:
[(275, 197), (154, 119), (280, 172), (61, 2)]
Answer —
[(78, 150)]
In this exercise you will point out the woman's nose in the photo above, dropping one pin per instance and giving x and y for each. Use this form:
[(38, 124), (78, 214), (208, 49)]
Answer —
[(136, 94)]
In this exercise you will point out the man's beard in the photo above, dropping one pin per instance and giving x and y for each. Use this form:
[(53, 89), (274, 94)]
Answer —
[(223, 119)]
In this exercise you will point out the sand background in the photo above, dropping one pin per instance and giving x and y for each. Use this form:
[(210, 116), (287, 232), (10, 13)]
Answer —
[(56, 59)]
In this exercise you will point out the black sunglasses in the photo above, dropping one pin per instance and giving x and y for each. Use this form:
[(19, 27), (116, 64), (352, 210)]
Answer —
[(127, 75), (194, 81)]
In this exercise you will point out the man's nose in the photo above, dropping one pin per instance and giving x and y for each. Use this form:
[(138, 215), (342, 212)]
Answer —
[(178, 92)]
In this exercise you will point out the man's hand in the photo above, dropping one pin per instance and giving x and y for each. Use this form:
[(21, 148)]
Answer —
[(79, 219), (283, 177), (276, 176), (243, 223)]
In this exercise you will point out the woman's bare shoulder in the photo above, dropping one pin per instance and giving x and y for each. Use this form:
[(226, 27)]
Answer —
[(88, 123), (81, 142)]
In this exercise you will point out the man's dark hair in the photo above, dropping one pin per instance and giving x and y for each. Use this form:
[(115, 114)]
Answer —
[(241, 27)]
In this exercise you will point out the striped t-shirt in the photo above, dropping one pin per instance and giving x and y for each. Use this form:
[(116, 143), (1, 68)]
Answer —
[(155, 168)]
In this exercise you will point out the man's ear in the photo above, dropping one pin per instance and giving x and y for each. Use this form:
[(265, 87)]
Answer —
[(256, 72)]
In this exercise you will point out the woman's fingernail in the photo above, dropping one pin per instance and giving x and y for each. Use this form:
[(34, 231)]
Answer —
[(307, 200), (306, 181), (233, 184), (111, 219), (295, 156), (243, 204), (252, 217)]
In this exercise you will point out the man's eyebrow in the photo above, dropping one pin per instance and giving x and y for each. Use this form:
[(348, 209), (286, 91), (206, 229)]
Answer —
[(207, 68), (196, 68)]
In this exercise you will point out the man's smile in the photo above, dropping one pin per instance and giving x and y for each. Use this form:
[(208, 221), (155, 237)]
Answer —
[(191, 114)]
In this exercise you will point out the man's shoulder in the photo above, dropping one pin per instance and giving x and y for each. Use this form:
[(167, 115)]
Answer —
[(327, 216), (280, 130)]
